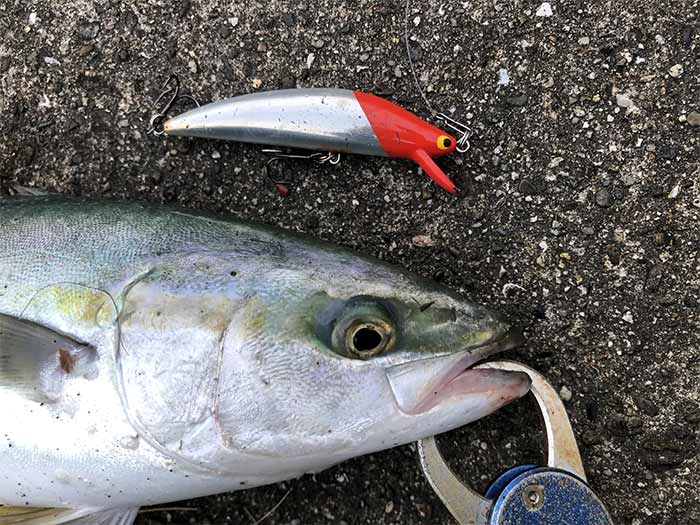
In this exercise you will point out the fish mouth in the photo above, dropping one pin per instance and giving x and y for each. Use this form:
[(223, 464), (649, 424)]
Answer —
[(422, 385)]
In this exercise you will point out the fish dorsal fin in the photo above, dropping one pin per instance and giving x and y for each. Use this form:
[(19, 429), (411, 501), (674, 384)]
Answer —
[(35, 361), (47, 516)]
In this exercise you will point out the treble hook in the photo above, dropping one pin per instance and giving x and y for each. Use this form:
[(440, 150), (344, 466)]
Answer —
[(158, 119), (319, 157), (463, 144)]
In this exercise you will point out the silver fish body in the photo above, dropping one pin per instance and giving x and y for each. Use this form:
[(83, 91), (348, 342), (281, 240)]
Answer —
[(194, 354), (315, 118)]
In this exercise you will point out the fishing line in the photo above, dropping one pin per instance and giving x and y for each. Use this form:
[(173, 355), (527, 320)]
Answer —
[(433, 113), (461, 129)]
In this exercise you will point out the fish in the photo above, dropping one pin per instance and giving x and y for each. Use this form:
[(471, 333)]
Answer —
[(322, 119), (152, 354)]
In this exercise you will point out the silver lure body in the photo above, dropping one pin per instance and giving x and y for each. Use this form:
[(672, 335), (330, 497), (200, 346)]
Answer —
[(215, 361), (313, 118)]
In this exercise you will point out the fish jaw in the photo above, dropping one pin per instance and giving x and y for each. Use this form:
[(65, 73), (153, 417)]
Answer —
[(430, 384)]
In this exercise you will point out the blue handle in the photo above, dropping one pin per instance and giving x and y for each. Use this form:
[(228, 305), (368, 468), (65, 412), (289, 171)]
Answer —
[(529, 495)]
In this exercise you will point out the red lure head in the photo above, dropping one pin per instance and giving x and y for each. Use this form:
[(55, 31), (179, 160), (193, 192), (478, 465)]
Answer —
[(403, 134)]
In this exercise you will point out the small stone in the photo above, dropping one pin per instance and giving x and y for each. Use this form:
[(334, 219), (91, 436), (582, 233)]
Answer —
[(27, 154), (690, 301), (123, 123), (318, 44), (397, 72), (224, 31), (673, 194), (634, 423), (169, 193), (545, 10), (123, 55), (288, 82), (627, 317), (618, 425), (184, 146), (184, 8), (647, 406), (526, 187), (584, 40), (503, 78), (389, 507), (588, 231), (693, 119), (654, 277), (676, 71), (687, 37), (423, 241), (192, 65), (156, 177), (667, 152), (660, 238), (88, 31), (257, 83), (692, 414), (288, 19), (540, 312), (628, 179), (603, 198), (262, 47), (565, 394), (416, 21), (215, 155), (519, 100), (623, 100), (282, 190)]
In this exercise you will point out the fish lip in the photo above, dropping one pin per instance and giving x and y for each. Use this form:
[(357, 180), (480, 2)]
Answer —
[(442, 371), (513, 338)]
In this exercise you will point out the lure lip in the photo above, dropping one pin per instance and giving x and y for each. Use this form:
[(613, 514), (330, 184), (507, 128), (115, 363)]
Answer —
[(447, 377)]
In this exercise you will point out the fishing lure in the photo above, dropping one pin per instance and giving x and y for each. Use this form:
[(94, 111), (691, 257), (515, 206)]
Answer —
[(333, 120)]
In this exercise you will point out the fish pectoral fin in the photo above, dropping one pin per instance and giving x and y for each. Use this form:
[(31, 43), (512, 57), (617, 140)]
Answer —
[(29, 191), (35, 361), (51, 516), (34, 515), (108, 517)]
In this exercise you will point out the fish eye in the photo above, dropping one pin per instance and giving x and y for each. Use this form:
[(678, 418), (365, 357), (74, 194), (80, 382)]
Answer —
[(444, 142), (365, 339), (360, 327)]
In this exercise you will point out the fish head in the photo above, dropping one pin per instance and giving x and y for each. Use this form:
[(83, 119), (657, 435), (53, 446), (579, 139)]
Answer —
[(336, 361)]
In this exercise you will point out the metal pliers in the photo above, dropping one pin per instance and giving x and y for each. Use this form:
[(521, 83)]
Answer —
[(527, 494)]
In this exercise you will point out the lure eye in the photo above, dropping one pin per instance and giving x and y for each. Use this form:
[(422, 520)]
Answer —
[(444, 142)]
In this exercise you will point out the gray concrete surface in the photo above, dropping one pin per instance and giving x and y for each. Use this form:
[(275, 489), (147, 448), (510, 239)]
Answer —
[(579, 217)]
